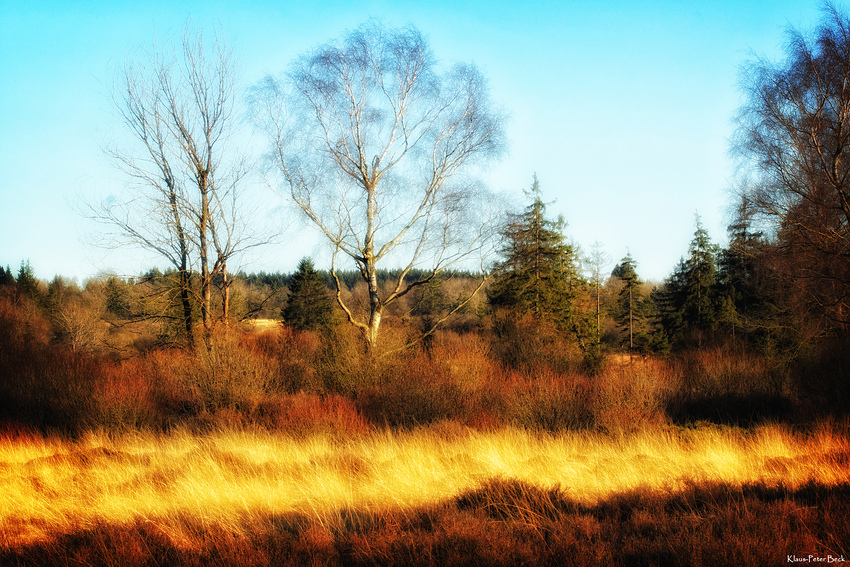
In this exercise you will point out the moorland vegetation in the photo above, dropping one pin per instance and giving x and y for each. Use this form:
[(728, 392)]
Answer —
[(534, 411)]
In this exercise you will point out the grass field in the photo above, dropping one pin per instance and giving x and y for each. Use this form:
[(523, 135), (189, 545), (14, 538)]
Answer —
[(444, 494)]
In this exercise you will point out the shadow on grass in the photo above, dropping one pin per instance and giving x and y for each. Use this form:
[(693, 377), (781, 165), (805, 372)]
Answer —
[(744, 410), (501, 523)]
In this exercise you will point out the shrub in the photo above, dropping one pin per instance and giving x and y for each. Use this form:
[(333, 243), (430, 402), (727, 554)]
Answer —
[(555, 402), (45, 387), (823, 382), (630, 394), (527, 344), (411, 390), (728, 386), (293, 355), (304, 414)]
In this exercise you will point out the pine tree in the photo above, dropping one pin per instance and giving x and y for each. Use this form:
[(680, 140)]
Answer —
[(539, 275), (310, 306), (117, 297)]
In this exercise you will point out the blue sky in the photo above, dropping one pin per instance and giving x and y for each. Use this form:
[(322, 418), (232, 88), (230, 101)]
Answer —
[(623, 109)]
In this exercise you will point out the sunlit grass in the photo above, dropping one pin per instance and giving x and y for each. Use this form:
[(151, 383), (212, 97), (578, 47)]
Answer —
[(233, 478)]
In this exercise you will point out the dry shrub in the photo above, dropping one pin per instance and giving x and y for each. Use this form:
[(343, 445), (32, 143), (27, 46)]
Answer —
[(126, 398), (823, 383), (305, 414), (342, 363), (225, 374), (43, 386), (464, 358), (410, 390), (552, 401), (717, 371), (294, 354), (527, 344), (729, 386), (223, 381), (630, 393)]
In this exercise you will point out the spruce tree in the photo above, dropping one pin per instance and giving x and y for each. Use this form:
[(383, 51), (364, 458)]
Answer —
[(117, 297), (628, 310), (6, 276), (310, 306), (28, 285), (539, 275), (688, 299)]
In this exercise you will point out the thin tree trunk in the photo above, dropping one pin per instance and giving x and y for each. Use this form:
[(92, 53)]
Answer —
[(206, 278), (226, 292), (185, 300), (371, 273)]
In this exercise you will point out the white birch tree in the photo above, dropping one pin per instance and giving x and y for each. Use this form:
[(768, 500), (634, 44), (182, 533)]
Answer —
[(373, 142)]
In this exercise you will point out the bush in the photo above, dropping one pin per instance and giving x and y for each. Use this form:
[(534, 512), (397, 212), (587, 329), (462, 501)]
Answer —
[(823, 383), (728, 386), (411, 390), (630, 395), (42, 386), (305, 414), (526, 344), (555, 402)]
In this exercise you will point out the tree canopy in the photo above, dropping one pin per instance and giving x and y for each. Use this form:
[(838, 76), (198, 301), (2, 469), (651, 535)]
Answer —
[(793, 139)]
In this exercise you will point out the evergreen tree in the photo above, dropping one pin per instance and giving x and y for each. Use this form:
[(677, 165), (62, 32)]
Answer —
[(310, 306), (117, 297), (6, 276), (539, 274), (28, 285), (688, 299), (628, 309)]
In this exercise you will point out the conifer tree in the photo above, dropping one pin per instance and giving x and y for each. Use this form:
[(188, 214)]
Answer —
[(688, 302), (628, 309), (6, 276), (538, 275), (310, 306), (27, 282), (117, 297)]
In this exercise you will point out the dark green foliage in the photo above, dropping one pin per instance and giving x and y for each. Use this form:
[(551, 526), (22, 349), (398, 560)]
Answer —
[(117, 297), (28, 285), (539, 274), (59, 291), (6, 276), (687, 300), (629, 310), (310, 306)]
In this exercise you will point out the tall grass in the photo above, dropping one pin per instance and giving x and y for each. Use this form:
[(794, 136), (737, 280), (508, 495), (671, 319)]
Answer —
[(194, 492)]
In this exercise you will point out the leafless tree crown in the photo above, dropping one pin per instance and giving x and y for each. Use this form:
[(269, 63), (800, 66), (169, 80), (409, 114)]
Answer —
[(372, 141), (794, 143), (179, 107)]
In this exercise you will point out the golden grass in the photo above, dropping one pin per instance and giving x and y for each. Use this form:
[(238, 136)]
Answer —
[(230, 479)]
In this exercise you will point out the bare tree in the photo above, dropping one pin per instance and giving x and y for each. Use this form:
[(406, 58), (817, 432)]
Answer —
[(180, 109), (372, 141), (794, 141), (597, 261)]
